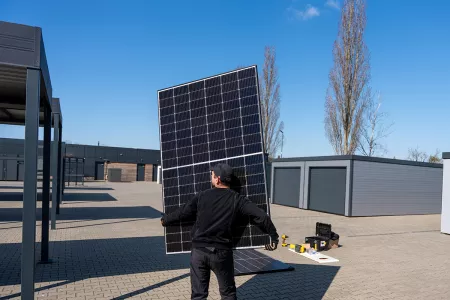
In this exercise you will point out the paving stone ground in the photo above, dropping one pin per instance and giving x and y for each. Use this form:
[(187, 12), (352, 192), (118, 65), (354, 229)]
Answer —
[(110, 245)]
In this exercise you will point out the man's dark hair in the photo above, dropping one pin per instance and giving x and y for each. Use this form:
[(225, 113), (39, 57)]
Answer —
[(224, 172)]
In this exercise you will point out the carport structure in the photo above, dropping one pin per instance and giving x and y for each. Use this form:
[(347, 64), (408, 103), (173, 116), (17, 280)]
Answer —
[(26, 99)]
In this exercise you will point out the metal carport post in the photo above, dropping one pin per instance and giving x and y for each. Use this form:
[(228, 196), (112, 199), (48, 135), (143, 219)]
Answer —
[(26, 99), (56, 160), (45, 183), (60, 166)]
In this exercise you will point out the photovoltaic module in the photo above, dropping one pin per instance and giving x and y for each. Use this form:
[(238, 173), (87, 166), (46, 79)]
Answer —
[(205, 122)]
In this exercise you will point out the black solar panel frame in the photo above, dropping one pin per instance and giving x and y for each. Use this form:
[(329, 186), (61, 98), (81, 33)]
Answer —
[(199, 81)]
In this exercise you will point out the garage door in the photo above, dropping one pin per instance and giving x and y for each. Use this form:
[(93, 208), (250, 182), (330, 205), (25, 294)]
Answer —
[(286, 186), (11, 170), (327, 190), (21, 171), (2, 170)]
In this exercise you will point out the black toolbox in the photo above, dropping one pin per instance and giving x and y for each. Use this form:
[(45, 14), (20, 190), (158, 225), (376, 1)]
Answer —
[(320, 241)]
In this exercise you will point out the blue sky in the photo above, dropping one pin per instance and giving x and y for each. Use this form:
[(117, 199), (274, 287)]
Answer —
[(108, 58)]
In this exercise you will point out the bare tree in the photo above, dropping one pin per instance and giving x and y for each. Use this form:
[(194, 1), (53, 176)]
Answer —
[(374, 130), (348, 93), (435, 158), (417, 155), (270, 103)]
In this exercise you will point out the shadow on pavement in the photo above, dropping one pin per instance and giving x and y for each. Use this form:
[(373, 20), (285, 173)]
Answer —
[(84, 197), (306, 282), (88, 213), (88, 197), (77, 260), (152, 287), (82, 259), (11, 187), (74, 226), (89, 188)]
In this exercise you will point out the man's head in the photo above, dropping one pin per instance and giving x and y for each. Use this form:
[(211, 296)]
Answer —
[(221, 175)]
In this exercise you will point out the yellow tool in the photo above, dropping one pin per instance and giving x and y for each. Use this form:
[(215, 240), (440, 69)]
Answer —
[(296, 247)]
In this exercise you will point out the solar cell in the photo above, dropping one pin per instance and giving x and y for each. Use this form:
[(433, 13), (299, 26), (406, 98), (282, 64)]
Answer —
[(202, 123)]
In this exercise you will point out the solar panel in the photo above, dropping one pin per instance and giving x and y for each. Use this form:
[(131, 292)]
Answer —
[(202, 123), (253, 262)]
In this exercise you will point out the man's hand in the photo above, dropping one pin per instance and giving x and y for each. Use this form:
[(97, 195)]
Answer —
[(162, 219), (272, 246)]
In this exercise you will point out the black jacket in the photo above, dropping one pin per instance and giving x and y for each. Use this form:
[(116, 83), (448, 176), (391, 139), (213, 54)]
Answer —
[(217, 213)]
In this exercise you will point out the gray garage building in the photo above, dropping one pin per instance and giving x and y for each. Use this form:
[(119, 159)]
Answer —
[(357, 185)]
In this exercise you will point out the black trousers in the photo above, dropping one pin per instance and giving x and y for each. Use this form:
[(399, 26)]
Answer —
[(221, 263)]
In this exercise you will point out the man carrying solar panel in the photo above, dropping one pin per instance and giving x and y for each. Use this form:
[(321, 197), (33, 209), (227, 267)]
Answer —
[(217, 211)]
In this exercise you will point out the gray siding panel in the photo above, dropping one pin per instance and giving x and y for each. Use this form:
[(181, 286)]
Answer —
[(327, 189), (148, 156), (18, 44), (89, 151), (286, 190), (75, 150), (389, 189), (127, 155)]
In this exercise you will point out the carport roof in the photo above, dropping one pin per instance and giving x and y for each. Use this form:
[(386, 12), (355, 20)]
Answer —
[(360, 158), (56, 109), (21, 48)]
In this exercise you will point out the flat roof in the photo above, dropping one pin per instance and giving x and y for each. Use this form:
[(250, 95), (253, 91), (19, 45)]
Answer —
[(21, 48), (446, 155), (360, 158)]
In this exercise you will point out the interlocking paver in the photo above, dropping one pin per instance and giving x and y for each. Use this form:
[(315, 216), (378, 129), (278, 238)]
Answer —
[(109, 243)]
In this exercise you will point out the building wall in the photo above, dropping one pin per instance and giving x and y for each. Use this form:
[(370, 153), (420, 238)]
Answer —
[(148, 172), (129, 171), (394, 189), (445, 217), (113, 155), (13, 148), (303, 186), (377, 186)]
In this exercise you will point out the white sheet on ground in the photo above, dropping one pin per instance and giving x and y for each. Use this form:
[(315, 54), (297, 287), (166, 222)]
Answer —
[(318, 257)]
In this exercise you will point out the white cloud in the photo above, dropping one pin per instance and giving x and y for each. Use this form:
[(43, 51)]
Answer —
[(308, 13), (332, 4)]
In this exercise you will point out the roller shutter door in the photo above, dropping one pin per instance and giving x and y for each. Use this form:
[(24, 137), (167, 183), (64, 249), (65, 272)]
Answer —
[(11, 170), (2, 170), (327, 190), (286, 186)]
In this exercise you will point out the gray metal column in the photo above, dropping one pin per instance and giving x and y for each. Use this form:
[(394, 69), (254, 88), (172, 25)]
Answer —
[(30, 182), (46, 184), (60, 171), (55, 162)]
